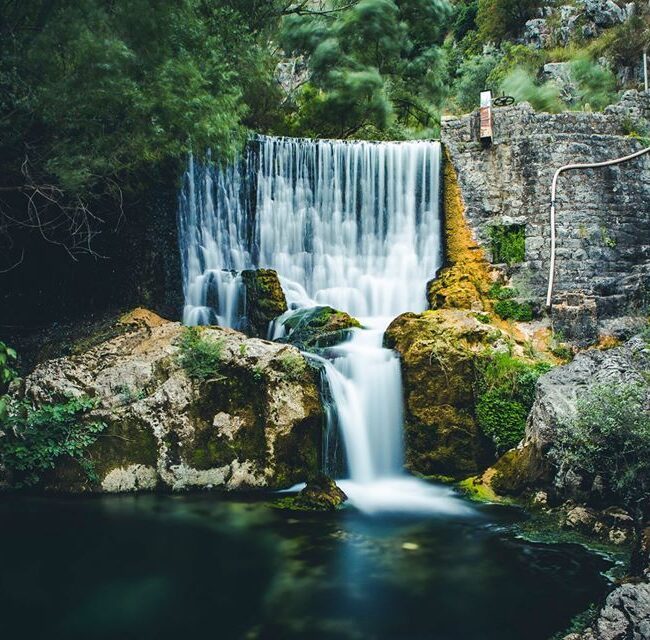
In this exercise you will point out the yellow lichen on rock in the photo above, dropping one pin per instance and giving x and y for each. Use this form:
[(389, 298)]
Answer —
[(465, 281)]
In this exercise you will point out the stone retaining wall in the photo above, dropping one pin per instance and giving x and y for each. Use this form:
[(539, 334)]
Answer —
[(603, 215)]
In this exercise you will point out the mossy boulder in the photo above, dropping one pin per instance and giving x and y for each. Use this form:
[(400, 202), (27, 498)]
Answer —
[(265, 299), (253, 421), (320, 494), (318, 327), (440, 353)]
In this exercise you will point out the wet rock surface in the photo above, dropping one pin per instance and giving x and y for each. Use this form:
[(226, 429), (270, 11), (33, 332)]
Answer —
[(315, 328), (265, 299), (439, 351), (320, 494)]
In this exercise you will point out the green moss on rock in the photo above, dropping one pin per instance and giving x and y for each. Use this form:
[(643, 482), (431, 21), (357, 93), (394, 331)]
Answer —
[(265, 299), (440, 351), (318, 327), (320, 494)]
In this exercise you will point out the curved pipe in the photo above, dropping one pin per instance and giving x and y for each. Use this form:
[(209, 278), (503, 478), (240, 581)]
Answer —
[(567, 167)]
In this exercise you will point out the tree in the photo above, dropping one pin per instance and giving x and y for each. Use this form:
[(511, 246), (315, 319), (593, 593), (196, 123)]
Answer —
[(498, 19), (372, 63), (96, 96)]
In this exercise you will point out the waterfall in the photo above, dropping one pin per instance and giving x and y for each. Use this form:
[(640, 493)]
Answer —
[(353, 225)]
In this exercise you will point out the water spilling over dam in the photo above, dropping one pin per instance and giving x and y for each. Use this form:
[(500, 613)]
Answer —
[(353, 225)]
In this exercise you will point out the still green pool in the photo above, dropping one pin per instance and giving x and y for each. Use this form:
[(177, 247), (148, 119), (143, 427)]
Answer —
[(198, 566)]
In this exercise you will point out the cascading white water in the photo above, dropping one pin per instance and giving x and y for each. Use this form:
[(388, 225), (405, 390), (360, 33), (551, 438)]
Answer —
[(354, 225)]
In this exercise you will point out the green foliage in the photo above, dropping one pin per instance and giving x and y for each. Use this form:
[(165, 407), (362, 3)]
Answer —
[(513, 310), (515, 56), (497, 19), (292, 365), (35, 438), (610, 437), (623, 44), (200, 355), (96, 97), (499, 292), (522, 85), (373, 62), (508, 243), (464, 18), (473, 74), (636, 129), (559, 348), (506, 390), (595, 87), (596, 84), (8, 358), (508, 308)]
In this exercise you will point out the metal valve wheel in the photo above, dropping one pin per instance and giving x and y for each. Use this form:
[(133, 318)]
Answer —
[(503, 101)]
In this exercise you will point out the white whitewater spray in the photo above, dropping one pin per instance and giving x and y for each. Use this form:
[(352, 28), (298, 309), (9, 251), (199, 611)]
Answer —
[(354, 225)]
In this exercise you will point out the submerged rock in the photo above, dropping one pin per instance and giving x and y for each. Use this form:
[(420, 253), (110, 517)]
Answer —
[(254, 421), (320, 494), (265, 300), (318, 327), (439, 352)]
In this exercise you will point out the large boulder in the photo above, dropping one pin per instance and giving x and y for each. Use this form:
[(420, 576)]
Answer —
[(556, 397), (440, 351), (255, 422), (604, 13)]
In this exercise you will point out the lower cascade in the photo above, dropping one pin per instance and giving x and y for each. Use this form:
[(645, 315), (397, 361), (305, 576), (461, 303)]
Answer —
[(354, 225)]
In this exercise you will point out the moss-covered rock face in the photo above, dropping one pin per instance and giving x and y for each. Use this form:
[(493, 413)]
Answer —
[(465, 281), (265, 299), (255, 421), (318, 327), (440, 352)]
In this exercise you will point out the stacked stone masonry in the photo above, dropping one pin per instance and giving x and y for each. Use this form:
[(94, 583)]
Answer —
[(603, 215)]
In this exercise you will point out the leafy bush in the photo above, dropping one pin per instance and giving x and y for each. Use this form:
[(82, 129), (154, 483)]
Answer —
[(8, 359), (596, 84), (543, 97), (516, 56), (200, 356), (35, 438), (508, 243), (506, 390), (499, 292), (513, 310), (610, 437)]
